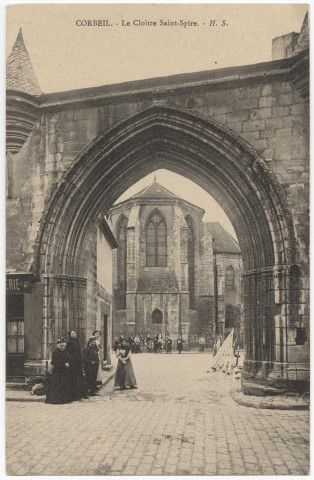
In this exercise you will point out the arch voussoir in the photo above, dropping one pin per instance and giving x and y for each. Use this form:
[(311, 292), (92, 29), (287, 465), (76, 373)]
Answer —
[(218, 160)]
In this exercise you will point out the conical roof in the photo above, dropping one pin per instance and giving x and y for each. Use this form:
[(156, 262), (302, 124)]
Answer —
[(155, 190), (20, 72)]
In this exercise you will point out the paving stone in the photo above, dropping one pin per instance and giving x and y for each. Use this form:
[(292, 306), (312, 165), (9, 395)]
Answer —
[(150, 432)]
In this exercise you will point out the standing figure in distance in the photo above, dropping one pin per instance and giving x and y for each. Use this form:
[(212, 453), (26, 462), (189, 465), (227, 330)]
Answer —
[(97, 335), (160, 343), (59, 389), (137, 343), (91, 365), (156, 344), (168, 345), (202, 343), (180, 344), (124, 374)]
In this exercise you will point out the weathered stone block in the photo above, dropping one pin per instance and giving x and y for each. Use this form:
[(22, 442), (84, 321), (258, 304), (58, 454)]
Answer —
[(260, 113), (267, 101), (297, 109), (274, 123), (252, 125), (267, 90), (286, 99), (267, 133), (280, 111), (283, 132)]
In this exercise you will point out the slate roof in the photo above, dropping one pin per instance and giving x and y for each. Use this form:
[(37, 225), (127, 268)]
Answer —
[(20, 72), (222, 240), (157, 280), (155, 190), (303, 40)]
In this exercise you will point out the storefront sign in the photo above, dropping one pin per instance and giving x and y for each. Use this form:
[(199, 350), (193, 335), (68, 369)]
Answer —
[(19, 283)]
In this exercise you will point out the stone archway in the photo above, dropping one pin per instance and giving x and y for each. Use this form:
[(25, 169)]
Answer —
[(224, 165)]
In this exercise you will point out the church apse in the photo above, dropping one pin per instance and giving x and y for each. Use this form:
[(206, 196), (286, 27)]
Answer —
[(163, 271)]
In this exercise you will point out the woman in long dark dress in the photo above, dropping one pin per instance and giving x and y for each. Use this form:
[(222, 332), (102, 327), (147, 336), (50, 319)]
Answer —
[(59, 390), (76, 371), (125, 374)]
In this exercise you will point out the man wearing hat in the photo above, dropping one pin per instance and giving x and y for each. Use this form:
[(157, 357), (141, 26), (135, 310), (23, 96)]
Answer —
[(91, 365)]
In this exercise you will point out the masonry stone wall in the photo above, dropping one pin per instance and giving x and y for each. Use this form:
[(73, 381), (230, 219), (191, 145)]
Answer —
[(265, 104), (206, 300), (234, 297), (272, 117)]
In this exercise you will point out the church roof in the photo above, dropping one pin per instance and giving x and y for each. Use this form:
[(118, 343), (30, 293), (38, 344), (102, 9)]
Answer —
[(157, 281), (223, 242), (155, 190), (20, 72)]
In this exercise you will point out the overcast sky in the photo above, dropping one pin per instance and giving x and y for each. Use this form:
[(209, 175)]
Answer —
[(66, 56)]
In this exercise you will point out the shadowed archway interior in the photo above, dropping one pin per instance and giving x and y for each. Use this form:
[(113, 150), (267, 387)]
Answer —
[(220, 162)]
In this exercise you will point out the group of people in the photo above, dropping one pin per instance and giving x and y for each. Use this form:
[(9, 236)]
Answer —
[(135, 343), (156, 344), (73, 374)]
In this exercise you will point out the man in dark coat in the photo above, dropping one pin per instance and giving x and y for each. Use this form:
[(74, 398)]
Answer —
[(91, 365), (76, 372)]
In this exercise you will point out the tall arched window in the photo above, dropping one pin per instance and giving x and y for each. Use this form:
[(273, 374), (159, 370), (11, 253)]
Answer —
[(229, 280), (229, 317), (157, 316), (122, 262), (156, 241), (191, 261)]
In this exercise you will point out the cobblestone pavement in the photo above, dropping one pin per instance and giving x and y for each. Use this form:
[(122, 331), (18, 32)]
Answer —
[(180, 421)]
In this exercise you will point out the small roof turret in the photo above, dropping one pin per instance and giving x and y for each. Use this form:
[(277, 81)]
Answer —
[(20, 73)]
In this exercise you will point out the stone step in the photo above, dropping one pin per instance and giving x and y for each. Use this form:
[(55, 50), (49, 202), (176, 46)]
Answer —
[(15, 386), (258, 389), (15, 379)]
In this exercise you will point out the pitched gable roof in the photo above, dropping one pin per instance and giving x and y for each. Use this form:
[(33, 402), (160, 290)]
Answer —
[(223, 242), (155, 190), (20, 72)]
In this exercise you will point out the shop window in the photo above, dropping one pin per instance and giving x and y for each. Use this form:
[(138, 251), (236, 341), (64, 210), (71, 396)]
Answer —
[(15, 324)]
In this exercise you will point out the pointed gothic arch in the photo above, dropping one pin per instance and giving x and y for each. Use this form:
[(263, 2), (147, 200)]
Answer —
[(156, 240), (215, 158), (229, 279)]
